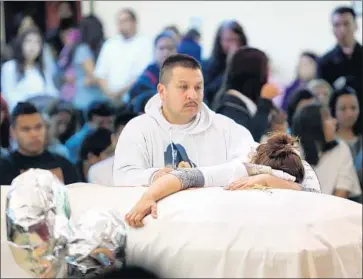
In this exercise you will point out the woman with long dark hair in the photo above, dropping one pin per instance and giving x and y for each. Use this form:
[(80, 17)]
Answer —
[(25, 76), (330, 158), (85, 57), (230, 37), (344, 106), (245, 95)]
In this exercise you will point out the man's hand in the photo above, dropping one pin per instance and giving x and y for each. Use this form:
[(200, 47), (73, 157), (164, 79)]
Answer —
[(145, 206), (160, 173)]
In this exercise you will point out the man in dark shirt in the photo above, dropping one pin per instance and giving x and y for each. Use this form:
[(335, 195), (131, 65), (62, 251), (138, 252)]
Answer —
[(28, 129), (345, 59)]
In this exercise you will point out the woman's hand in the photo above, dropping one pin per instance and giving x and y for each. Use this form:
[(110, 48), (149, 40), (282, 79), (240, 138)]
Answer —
[(248, 182), (145, 206)]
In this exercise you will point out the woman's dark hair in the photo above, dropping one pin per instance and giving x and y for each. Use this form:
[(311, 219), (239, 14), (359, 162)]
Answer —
[(279, 152), (247, 72), (346, 90), (218, 58), (19, 55), (92, 34), (296, 98), (5, 125), (308, 127)]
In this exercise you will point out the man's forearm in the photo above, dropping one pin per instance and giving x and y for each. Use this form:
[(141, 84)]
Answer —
[(175, 181)]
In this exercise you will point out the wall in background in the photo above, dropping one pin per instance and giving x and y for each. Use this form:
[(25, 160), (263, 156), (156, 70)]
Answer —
[(283, 29)]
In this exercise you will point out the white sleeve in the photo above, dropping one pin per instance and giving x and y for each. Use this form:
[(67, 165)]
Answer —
[(310, 181), (347, 176), (132, 161), (223, 175), (102, 64)]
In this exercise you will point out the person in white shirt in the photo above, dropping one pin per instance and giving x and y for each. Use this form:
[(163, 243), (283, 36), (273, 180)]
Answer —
[(179, 131), (101, 172), (330, 157), (25, 76), (123, 58)]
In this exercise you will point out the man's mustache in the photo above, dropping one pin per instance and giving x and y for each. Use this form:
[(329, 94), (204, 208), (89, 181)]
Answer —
[(191, 104)]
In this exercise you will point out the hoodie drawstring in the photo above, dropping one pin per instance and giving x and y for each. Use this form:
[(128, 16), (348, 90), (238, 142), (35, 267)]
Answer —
[(173, 151)]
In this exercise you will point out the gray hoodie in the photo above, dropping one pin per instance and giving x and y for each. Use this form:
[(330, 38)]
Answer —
[(214, 143)]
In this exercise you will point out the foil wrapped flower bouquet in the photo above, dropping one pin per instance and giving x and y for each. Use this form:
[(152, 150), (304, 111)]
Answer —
[(48, 243)]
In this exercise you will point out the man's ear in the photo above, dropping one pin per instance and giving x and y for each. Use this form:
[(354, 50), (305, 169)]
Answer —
[(161, 91)]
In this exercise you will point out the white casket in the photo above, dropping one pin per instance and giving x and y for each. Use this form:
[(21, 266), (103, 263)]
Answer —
[(216, 233)]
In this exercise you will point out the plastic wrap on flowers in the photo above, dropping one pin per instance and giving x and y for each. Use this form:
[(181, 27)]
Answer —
[(37, 218), (97, 244)]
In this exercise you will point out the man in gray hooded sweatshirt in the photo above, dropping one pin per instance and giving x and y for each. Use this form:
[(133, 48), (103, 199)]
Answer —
[(178, 131)]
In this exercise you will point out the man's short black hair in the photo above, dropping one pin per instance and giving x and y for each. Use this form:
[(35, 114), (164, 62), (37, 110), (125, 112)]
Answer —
[(343, 10), (95, 143), (177, 60), (100, 109), (130, 12), (122, 119), (22, 108)]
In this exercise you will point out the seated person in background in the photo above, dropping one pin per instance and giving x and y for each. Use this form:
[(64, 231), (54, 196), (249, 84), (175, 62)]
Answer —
[(190, 45), (99, 115), (178, 129), (64, 119), (28, 129), (53, 144), (306, 71), (245, 96), (230, 37), (321, 90), (93, 150), (101, 172), (164, 46), (331, 158), (26, 76), (300, 99), (344, 106), (279, 153), (122, 58)]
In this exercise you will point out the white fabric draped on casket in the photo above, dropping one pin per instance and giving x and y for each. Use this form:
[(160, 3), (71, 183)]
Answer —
[(216, 233)]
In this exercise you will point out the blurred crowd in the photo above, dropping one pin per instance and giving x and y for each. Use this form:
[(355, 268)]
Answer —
[(66, 95)]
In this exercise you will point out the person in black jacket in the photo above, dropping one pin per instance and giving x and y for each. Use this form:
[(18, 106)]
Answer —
[(245, 96), (28, 129)]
